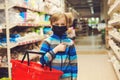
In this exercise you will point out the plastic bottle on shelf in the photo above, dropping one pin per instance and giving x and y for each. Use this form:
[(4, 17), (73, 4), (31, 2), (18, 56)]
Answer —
[(26, 2), (4, 61)]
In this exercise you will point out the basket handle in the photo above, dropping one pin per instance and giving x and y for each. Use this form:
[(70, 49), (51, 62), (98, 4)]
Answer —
[(34, 52)]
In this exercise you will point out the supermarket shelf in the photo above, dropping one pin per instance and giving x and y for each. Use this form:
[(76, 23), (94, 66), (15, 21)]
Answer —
[(10, 6), (34, 9), (114, 7), (111, 56), (47, 23), (2, 6), (12, 44), (115, 48), (109, 28), (3, 26), (116, 66), (115, 35), (31, 24), (114, 52), (2, 65), (31, 56), (115, 63), (1, 31), (27, 24), (28, 42), (25, 42), (12, 25), (27, 7), (110, 2), (114, 22)]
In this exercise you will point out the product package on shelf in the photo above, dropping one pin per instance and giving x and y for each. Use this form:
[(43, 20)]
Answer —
[(54, 2), (3, 58), (51, 7), (18, 52), (30, 17), (14, 16), (40, 19), (1, 28), (110, 2), (2, 17), (13, 2), (14, 38), (41, 5), (36, 4), (2, 3), (33, 4)]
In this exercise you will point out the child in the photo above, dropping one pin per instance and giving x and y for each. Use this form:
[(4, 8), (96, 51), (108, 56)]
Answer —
[(59, 49)]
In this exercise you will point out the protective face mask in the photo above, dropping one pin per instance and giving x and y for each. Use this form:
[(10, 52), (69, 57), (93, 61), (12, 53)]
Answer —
[(59, 30)]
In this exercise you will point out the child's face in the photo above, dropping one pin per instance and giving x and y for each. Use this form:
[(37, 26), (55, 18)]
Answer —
[(60, 22)]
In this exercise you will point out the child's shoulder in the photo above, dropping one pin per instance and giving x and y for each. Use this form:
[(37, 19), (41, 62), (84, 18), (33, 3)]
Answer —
[(68, 41), (49, 39)]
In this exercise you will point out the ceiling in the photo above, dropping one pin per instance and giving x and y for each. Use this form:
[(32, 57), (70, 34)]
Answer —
[(86, 8)]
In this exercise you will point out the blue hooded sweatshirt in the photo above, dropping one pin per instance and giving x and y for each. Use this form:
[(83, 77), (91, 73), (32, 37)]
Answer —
[(64, 61)]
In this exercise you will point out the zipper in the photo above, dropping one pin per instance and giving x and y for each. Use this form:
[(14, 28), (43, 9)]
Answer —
[(61, 55)]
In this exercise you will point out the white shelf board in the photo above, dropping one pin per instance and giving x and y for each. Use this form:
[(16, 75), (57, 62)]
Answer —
[(12, 45), (115, 48), (114, 7), (2, 6), (115, 36), (115, 63), (32, 24), (10, 6), (12, 25), (116, 66), (27, 7), (114, 22), (110, 2)]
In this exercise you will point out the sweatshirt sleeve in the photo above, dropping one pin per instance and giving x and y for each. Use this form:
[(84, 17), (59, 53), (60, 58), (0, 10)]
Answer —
[(47, 51), (73, 62)]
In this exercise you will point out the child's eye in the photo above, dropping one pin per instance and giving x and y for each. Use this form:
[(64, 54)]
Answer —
[(63, 24)]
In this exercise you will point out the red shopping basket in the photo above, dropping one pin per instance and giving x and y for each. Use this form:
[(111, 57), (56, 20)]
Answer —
[(29, 70)]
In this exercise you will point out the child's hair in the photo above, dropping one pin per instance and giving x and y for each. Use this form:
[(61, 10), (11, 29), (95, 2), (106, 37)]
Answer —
[(70, 18), (56, 16)]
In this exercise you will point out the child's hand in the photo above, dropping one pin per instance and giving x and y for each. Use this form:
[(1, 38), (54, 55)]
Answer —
[(60, 48)]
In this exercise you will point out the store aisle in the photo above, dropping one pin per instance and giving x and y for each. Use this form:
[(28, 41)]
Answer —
[(93, 60), (84, 43), (95, 67)]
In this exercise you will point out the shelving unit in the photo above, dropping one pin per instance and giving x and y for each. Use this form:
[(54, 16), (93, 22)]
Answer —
[(84, 26), (114, 7), (26, 40), (110, 2), (113, 35), (34, 25), (9, 26)]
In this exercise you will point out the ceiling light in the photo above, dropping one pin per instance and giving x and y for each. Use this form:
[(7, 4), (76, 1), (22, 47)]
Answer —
[(92, 10), (89, 0)]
